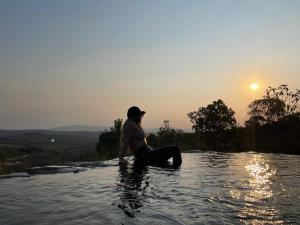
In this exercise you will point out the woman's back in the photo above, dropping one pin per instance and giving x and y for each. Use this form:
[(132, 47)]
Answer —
[(134, 134)]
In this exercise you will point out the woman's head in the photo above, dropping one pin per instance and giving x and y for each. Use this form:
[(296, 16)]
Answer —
[(135, 114)]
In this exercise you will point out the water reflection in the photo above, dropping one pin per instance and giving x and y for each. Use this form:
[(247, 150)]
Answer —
[(257, 189), (261, 179), (249, 188), (132, 185)]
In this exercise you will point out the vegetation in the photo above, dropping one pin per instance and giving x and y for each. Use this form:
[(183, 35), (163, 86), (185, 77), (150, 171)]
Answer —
[(109, 141), (276, 104), (214, 124), (167, 135), (21, 150), (274, 122), (273, 126), (212, 119)]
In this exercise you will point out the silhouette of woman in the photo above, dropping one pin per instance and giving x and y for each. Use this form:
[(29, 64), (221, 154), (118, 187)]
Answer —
[(133, 136)]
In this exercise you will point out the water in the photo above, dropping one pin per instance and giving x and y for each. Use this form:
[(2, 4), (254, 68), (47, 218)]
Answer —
[(209, 188)]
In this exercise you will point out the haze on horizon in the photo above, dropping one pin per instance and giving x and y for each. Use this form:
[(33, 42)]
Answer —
[(85, 62)]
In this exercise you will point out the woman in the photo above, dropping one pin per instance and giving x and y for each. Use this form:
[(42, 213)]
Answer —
[(133, 136)]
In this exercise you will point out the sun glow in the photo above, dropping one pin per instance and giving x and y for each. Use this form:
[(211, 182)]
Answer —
[(254, 86)]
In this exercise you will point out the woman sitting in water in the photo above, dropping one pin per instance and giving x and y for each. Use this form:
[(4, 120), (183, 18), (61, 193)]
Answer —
[(133, 136)]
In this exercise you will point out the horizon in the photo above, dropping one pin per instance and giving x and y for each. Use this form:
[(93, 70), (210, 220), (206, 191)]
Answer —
[(86, 63), (87, 128)]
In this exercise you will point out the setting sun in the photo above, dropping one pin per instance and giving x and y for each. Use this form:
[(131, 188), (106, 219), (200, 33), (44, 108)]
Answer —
[(254, 86)]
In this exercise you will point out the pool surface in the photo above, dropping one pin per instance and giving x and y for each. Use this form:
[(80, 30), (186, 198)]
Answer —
[(209, 188)]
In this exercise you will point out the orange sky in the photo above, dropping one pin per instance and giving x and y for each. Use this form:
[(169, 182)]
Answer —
[(79, 63)]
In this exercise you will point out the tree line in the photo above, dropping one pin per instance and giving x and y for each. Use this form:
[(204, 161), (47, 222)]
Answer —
[(273, 125)]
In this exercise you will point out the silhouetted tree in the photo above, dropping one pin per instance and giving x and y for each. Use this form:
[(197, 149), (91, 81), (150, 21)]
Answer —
[(166, 131), (290, 99), (168, 135), (265, 110), (276, 104), (109, 141), (214, 123), (213, 118), (152, 140), (117, 126)]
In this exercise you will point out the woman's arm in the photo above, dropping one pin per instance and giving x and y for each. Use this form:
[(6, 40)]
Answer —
[(126, 137), (123, 148)]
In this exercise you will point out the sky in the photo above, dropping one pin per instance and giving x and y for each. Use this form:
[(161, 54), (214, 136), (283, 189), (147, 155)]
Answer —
[(86, 62)]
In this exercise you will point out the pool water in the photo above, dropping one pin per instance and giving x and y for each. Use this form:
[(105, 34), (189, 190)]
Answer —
[(209, 188)]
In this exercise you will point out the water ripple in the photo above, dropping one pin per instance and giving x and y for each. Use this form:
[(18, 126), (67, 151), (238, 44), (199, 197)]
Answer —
[(209, 188)]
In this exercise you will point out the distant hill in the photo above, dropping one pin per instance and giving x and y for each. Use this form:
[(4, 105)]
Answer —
[(72, 130), (92, 128), (31, 137), (80, 128)]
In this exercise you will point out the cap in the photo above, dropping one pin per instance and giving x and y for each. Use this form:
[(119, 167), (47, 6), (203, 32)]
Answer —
[(134, 111)]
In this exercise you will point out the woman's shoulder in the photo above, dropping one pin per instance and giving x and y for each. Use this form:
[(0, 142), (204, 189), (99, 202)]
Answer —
[(129, 125)]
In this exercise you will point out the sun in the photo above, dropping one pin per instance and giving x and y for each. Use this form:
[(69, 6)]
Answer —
[(254, 86)]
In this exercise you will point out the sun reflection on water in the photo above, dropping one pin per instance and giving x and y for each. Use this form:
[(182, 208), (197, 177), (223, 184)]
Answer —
[(261, 179), (255, 192)]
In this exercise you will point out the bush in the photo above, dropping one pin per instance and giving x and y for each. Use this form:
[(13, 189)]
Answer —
[(109, 141)]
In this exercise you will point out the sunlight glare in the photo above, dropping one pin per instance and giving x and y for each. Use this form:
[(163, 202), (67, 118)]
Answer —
[(254, 86)]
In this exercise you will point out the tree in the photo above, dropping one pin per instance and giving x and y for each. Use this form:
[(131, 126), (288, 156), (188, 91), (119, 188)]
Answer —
[(276, 104), (290, 99), (168, 135), (265, 110), (166, 129), (109, 141), (214, 118), (117, 126)]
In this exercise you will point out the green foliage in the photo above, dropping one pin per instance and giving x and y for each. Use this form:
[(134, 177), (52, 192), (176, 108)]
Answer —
[(109, 141), (213, 118)]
